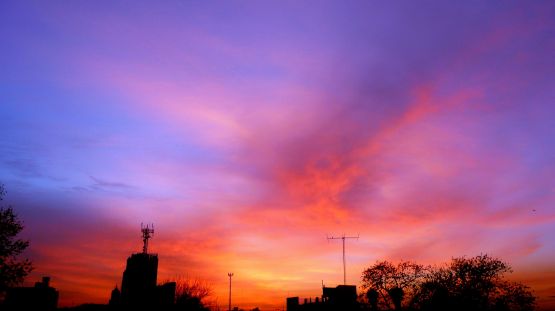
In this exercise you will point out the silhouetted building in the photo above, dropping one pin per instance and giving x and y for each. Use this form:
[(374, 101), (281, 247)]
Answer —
[(343, 297), (115, 297), (138, 287), (40, 297), (292, 303), (340, 298)]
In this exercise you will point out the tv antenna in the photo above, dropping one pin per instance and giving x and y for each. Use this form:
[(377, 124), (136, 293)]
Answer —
[(147, 231), (343, 238)]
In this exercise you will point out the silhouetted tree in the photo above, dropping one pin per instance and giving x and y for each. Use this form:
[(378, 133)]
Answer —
[(465, 284), (393, 282), (396, 294), (473, 284), (192, 294), (12, 269), (433, 296), (372, 296)]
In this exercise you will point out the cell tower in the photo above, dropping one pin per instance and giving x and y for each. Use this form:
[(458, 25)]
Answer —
[(343, 237), (147, 231)]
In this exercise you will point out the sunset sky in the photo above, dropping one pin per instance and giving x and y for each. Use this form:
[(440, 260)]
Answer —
[(247, 131)]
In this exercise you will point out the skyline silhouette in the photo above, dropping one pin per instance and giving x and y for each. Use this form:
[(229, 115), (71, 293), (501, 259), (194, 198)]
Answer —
[(248, 132), (478, 283)]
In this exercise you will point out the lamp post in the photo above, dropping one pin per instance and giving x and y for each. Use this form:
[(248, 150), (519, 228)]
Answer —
[(230, 274)]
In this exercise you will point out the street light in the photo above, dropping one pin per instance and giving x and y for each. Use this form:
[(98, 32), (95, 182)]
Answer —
[(230, 274)]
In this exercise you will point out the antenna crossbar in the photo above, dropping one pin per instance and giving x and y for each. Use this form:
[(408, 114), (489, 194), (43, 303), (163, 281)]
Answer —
[(343, 238)]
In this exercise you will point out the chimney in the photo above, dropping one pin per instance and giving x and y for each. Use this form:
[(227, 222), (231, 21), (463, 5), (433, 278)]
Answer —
[(46, 281)]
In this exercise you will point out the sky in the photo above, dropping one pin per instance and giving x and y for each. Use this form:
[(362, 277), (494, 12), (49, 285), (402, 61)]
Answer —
[(248, 131)]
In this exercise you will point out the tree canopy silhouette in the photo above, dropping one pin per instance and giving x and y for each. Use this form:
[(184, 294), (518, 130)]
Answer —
[(476, 283), (192, 294), (12, 269), (389, 283)]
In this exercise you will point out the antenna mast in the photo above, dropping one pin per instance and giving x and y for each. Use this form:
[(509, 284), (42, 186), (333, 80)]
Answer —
[(147, 231), (343, 237)]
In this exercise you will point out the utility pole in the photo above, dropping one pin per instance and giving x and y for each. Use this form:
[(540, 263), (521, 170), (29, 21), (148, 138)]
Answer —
[(230, 274), (343, 237)]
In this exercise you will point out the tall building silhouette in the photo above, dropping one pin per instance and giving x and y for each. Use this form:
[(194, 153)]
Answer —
[(138, 285)]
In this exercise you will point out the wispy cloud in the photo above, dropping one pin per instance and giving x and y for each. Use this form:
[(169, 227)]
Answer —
[(104, 184)]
